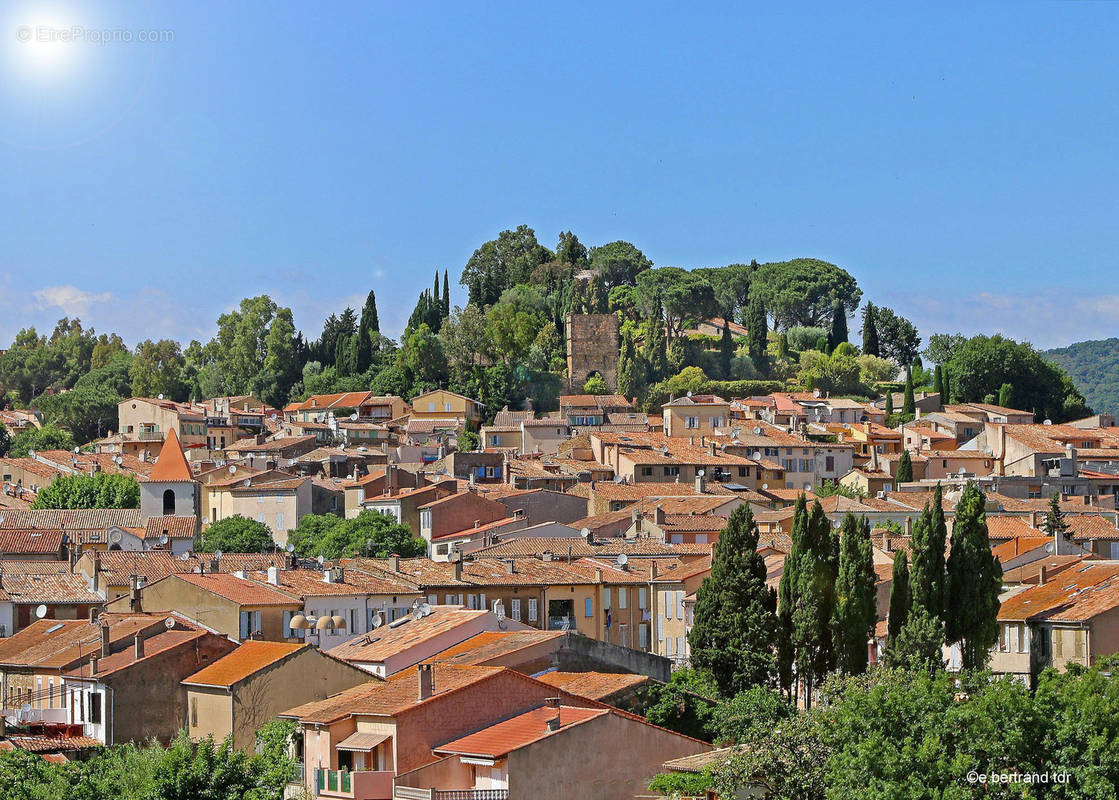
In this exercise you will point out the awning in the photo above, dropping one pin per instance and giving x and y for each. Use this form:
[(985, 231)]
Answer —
[(361, 741)]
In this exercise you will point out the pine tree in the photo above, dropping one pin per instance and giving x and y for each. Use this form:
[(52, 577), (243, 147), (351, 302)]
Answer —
[(870, 331), (726, 352), (446, 295), (855, 597), (838, 334), (974, 582), (1006, 395), (735, 612), (905, 468), (756, 332), (910, 405), (899, 595), (1054, 523), (630, 370)]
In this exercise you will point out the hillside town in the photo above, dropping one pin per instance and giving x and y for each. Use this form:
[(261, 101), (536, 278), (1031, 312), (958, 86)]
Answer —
[(444, 600)]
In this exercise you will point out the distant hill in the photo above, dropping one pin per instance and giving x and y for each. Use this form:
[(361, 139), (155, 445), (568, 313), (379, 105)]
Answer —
[(1094, 367)]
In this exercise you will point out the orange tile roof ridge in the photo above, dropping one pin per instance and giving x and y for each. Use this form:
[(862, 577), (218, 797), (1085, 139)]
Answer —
[(171, 465)]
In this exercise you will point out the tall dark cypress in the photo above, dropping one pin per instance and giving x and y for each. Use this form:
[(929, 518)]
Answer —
[(899, 595), (726, 352), (838, 333), (446, 295), (855, 597), (909, 405), (870, 331), (756, 330), (974, 582)]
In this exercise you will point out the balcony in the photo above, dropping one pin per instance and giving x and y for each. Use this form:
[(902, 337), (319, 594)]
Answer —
[(409, 793), (562, 624), (359, 785)]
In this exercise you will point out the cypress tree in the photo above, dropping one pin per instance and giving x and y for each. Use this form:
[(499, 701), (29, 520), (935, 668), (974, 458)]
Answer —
[(782, 346), (435, 293), (910, 405), (974, 582), (946, 395), (855, 597), (814, 600), (938, 382), (735, 612), (363, 354), (870, 331), (446, 295), (905, 468), (889, 402), (787, 596), (655, 350), (342, 351), (1006, 395), (938, 565), (1054, 523), (630, 377), (756, 330), (726, 351), (838, 334), (917, 646), (899, 595)]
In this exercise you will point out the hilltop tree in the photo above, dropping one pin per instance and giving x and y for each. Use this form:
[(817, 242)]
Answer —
[(446, 296), (156, 369), (870, 331), (905, 468), (938, 383), (897, 336), (889, 403), (1054, 523), (369, 325), (855, 598), (501, 263), (655, 350), (630, 370), (726, 352), (1006, 395), (619, 263), (802, 291), (899, 596), (238, 534), (735, 612), (974, 582), (909, 404)]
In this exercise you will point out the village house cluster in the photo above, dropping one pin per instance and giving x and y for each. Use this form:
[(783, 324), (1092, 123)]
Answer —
[(563, 559)]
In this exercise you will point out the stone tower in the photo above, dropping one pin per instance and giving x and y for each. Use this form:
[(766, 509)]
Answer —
[(170, 490), (592, 346)]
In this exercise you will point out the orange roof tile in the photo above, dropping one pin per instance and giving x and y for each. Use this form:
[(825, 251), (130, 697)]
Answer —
[(512, 734), (171, 464), (595, 685), (242, 591), (248, 659)]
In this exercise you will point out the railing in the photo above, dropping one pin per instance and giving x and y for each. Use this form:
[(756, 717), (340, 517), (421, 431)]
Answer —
[(558, 624), (150, 436), (360, 784), (471, 794)]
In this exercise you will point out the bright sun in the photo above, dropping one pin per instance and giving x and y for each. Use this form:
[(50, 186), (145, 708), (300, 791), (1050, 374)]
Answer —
[(45, 45)]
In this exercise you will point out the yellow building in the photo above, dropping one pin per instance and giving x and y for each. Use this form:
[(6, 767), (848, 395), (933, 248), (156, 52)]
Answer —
[(442, 404)]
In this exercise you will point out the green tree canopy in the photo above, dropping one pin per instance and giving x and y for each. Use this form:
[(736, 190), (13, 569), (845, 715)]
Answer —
[(802, 291), (237, 534), (368, 534), (101, 490)]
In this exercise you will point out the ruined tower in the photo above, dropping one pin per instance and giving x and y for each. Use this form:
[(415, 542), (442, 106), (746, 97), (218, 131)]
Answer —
[(592, 346)]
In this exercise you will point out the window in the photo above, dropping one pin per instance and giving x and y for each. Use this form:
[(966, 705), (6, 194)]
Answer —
[(532, 609), (668, 646), (1058, 643), (691, 422), (667, 605), (280, 521), (286, 624), (260, 498), (279, 498), (605, 599), (588, 607), (95, 708), (680, 605), (829, 463), (641, 598), (441, 550), (431, 405), (647, 472), (1078, 643), (194, 712), (169, 503), (446, 406), (621, 597), (671, 472), (680, 646), (260, 517), (716, 422), (515, 608), (642, 636)]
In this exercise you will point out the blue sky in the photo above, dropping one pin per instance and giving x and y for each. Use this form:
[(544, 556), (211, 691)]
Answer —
[(959, 160)]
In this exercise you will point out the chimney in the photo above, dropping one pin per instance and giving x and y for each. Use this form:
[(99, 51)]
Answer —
[(909, 526), (1033, 519), (1042, 576), (92, 615), (274, 576), (714, 447), (510, 566), (93, 665), (139, 647), (215, 565), (554, 723), (394, 563), (426, 681), (104, 641), (654, 571), (598, 575), (135, 601), (458, 570), (700, 484)]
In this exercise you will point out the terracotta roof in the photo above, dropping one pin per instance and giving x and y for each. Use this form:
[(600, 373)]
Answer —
[(1091, 526), (30, 540), (46, 744), (154, 644), (252, 446), (593, 401), (1074, 595), (173, 527), (578, 547), (1005, 528), (489, 645), (171, 464), (10, 566), (398, 693), (1018, 545), (310, 583), (241, 591), (503, 738), (595, 685), (385, 642), (71, 519), (55, 589), (51, 643), (248, 659)]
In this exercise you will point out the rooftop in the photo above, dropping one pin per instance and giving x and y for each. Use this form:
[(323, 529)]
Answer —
[(248, 659)]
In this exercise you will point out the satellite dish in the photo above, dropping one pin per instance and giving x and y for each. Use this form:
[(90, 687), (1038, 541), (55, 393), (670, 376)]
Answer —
[(184, 557), (40, 611), (272, 417), (232, 469), (353, 417), (623, 559), (118, 460), (417, 614), (701, 472), (1049, 547), (757, 431), (502, 624), (619, 479), (1047, 422), (378, 621), (77, 450), (426, 609), (248, 482), (159, 397), (7, 488), (585, 531), (320, 560), (169, 623), (290, 548), (415, 604), (115, 537), (765, 485), (963, 471), (31, 453), (217, 554), (756, 455), (163, 539)]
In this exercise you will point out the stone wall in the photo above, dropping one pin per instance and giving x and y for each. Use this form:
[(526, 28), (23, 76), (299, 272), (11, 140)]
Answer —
[(592, 346)]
